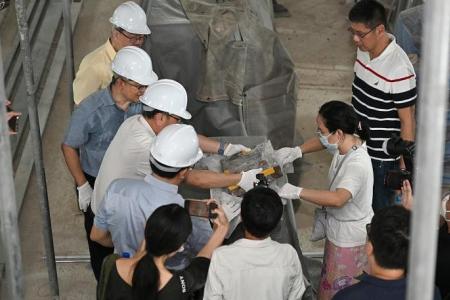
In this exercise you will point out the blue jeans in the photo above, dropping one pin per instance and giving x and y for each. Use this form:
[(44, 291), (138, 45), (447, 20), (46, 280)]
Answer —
[(382, 196)]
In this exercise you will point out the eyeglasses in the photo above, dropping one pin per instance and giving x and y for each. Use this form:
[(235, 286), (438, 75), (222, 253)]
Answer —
[(132, 37), (177, 118), (360, 35), (140, 87)]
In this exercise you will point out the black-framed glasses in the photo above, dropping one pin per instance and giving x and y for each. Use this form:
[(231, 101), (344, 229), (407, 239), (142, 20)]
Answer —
[(131, 36), (140, 87), (360, 35), (177, 118)]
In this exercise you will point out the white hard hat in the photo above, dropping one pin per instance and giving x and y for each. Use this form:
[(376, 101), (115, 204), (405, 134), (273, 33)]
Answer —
[(168, 96), (131, 17), (134, 63), (176, 146)]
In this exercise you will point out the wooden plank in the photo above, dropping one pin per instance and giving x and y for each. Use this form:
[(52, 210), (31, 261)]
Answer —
[(25, 164)]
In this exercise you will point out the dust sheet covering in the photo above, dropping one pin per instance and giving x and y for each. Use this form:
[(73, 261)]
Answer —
[(239, 77)]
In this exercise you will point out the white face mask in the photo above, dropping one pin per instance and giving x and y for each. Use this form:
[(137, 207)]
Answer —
[(444, 210), (332, 148)]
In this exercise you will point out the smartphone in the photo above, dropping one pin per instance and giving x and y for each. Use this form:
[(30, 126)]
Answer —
[(199, 208), (13, 123), (394, 179)]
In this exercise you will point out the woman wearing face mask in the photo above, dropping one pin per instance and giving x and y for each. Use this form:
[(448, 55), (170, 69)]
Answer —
[(348, 200), (145, 276)]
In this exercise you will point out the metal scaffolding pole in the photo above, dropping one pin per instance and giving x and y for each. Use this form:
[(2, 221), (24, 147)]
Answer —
[(432, 109), (37, 147), (69, 49), (9, 227)]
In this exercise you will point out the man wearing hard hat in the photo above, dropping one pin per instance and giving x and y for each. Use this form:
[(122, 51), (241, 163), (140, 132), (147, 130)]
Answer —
[(128, 156), (129, 29), (121, 216), (95, 122)]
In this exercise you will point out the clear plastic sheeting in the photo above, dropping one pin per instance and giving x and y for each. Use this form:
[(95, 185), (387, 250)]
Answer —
[(239, 77)]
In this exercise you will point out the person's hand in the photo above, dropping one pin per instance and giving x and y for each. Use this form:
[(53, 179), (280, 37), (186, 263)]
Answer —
[(11, 114), (287, 155), (232, 149), (289, 191), (407, 196), (84, 196), (248, 179), (221, 221)]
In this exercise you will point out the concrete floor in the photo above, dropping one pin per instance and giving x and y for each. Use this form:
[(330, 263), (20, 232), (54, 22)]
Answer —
[(317, 39)]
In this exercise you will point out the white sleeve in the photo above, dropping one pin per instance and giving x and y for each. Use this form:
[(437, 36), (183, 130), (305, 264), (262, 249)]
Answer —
[(298, 284), (213, 287), (354, 176)]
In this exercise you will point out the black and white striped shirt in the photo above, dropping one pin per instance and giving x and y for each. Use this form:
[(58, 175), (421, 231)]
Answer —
[(380, 87)]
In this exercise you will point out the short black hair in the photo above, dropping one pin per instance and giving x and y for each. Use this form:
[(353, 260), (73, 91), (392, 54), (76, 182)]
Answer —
[(164, 174), (261, 211), (149, 114), (369, 12), (389, 235)]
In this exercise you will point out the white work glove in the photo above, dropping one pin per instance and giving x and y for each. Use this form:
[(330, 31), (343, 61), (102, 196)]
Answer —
[(287, 155), (84, 196), (231, 209), (248, 179), (289, 191), (232, 149)]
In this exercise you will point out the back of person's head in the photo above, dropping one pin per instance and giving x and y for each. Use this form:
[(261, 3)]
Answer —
[(165, 232), (369, 12), (389, 236), (261, 211), (165, 174), (340, 115)]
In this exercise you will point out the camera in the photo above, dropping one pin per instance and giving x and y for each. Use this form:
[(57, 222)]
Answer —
[(395, 147)]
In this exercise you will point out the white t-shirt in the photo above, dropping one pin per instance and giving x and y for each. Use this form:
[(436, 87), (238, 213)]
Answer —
[(346, 225), (127, 156), (255, 269)]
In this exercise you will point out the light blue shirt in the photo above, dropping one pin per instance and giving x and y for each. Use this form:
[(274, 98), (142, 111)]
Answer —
[(93, 125), (127, 205)]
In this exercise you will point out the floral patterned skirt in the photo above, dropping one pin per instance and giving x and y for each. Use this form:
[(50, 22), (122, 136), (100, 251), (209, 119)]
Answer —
[(340, 266)]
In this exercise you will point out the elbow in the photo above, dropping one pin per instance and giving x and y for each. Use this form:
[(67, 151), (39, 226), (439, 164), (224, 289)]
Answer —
[(338, 202), (94, 236)]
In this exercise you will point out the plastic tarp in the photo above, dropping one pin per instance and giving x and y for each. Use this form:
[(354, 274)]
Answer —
[(239, 77)]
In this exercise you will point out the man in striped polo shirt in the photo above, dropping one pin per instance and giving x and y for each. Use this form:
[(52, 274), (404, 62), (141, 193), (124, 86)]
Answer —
[(384, 90)]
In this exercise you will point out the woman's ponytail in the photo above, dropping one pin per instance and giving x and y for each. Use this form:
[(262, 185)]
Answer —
[(145, 279), (363, 130), (166, 230)]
